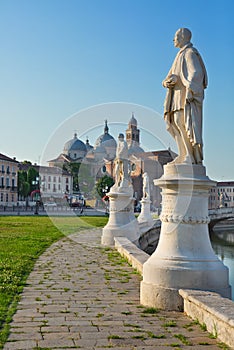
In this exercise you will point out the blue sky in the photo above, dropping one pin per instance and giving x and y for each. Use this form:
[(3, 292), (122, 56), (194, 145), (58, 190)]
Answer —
[(59, 57)]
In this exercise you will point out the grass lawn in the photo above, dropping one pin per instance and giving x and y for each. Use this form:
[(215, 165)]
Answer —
[(22, 241)]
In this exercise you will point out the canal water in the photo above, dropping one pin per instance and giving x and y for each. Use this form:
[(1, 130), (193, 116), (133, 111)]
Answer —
[(222, 240)]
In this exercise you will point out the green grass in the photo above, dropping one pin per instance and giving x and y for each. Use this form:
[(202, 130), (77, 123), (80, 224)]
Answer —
[(22, 241), (183, 339), (150, 311)]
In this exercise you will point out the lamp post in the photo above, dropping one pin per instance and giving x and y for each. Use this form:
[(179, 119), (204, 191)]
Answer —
[(36, 183), (105, 198)]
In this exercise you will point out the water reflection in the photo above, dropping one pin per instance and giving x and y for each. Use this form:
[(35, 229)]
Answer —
[(222, 240)]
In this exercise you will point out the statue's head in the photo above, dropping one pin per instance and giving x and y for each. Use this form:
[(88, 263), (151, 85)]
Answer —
[(121, 137), (182, 37)]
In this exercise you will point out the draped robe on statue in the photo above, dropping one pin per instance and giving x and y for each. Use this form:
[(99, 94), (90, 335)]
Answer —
[(189, 69)]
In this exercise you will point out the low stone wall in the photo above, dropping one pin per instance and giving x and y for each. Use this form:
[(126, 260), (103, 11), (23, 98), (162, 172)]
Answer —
[(208, 308), (211, 309), (131, 252)]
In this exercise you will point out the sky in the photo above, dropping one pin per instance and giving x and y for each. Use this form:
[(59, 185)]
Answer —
[(67, 65)]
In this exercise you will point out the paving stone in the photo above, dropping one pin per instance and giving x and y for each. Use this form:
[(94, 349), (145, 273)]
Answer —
[(75, 298)]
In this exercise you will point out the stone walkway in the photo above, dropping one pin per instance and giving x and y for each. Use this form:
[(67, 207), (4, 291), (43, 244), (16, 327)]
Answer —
[(82, 295)]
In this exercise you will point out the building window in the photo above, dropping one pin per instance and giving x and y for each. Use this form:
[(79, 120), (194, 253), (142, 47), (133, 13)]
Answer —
[(104, 169), (55, 179), (54, 188), (59, 187), (6, 197), (7, 182), (2, 182), (48, 186), (3, 171), (59, 179), (67, 181), (49, 178), (8, 170), (12, 198), (1, 197)]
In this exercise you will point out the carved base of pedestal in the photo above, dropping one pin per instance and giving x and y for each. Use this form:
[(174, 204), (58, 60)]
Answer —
[(145, 215), (184, 258), (122, 221), (152, 295)]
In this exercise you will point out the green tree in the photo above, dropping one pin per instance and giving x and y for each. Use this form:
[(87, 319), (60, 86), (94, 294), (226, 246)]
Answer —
[(103, 185), (32, 175), (23, 185), (86, 181), (73, 168)]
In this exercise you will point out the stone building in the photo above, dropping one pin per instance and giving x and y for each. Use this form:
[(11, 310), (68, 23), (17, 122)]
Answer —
[(224, 188), (55, 183), (74, 150), (9, 179), (100, 159)]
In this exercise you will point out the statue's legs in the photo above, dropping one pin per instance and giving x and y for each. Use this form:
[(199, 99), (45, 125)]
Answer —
[(184, 145), (180, 145), (198, 153)]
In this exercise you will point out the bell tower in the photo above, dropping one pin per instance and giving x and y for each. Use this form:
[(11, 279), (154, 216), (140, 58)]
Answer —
[(132, 133)]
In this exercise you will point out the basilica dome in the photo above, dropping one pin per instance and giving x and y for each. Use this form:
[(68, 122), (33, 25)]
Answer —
[(106, 143), (75, 148), (134, 148)]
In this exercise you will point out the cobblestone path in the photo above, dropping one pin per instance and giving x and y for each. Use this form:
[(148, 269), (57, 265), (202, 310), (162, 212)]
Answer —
[(81, 295)]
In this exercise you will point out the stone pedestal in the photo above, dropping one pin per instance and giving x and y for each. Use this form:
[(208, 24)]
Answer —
[(145, 219), (122, 221), (184, 258)]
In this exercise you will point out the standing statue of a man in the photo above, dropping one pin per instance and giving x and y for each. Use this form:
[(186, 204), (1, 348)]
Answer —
[(121, 163), (146, 190), (185, 85)]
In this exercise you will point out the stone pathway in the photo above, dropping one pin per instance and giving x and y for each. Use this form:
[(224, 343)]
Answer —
[(82, 295)]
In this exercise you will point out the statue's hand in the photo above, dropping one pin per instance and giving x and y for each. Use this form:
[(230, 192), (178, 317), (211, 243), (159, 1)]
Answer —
[(170, 81)]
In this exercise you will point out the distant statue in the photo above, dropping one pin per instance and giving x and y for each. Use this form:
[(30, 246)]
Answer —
[(121, 163), (185, 85), (221, 200), (146, 190)]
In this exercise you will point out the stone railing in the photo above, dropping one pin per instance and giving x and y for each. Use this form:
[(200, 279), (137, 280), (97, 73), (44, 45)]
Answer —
[(207, 308)]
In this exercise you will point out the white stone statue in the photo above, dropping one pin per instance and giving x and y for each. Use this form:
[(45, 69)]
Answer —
[(185, 85), (146, 190), (121, 163), (221, 200), (122, 221)]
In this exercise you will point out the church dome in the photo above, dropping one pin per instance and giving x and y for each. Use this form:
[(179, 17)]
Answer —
[(75, 148), (88, 146), (106, 142), (134, 149)]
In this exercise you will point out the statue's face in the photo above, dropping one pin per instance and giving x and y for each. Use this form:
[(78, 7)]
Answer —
[(178, 39)]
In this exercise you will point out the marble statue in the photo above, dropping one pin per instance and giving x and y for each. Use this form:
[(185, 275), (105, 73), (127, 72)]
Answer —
[(185, 85), (145, 219), (121, 163), (146, 190), (221, 200), (122, 221)]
